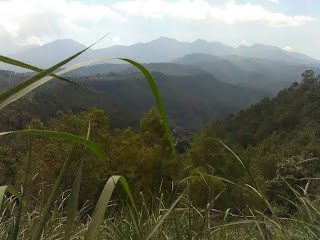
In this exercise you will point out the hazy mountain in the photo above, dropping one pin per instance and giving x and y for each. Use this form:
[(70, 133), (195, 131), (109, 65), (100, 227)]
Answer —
[(172, 69), (259, 66), (160, 50), (271, 75), (51, 53), (275, 53)]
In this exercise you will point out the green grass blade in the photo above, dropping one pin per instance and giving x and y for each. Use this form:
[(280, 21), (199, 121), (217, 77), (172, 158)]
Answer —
[(72, 204), (30, 67), (146, 73), (157, 96), (102, 204), (27, 86), (65, 136), (46, 212), (243, 165), (151, 82), (73, 199), (164, 216)]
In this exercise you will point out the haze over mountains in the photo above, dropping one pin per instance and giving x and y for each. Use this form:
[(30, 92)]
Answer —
[(258, 66), (214, 79), (160, 50)]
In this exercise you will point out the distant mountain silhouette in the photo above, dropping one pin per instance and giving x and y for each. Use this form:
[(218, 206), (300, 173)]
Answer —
[(162, 49)]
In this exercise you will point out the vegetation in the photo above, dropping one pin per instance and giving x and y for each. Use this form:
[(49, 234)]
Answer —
[(66, 169), (189, 100)]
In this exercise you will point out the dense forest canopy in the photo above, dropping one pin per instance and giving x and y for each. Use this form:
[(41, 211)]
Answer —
[(190, 100)]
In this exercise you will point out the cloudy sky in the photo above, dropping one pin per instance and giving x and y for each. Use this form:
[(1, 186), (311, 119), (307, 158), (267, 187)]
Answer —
[(289, 24)]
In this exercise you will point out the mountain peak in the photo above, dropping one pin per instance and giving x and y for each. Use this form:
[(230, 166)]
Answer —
[(200, 41), (64, 43), (165, 39)]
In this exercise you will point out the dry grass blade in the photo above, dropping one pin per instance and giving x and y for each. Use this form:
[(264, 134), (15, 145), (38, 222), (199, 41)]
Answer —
[(9, 189)]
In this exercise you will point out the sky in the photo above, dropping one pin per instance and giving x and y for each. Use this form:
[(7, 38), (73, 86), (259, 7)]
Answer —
[(290, 24)]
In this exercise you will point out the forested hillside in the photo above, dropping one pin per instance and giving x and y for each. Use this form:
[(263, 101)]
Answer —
[(190, 100), (269, 75), (281, 130)]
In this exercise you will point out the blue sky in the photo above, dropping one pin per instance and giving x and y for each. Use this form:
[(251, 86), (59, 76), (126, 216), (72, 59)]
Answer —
[(289, 24)]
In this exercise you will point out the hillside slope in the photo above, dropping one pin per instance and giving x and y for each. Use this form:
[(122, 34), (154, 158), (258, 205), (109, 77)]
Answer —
[(271, 75), (190, 100), (278, 128)]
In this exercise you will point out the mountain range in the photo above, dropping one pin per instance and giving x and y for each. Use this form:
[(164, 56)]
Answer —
[(162, 49), (258, 66), (212, 78)]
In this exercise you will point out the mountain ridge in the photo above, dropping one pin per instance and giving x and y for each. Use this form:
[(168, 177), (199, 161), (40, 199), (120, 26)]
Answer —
[(162, 49)]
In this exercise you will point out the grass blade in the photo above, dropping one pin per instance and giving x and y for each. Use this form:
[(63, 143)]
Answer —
[(27, 86), (30, 67), (164, 216), (243, 165), (145, 72), (72, 204), (65, 136), (102, 204), (46, 212), (157, 96)]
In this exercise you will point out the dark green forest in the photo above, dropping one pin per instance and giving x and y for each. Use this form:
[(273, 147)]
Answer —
[(190, 100)]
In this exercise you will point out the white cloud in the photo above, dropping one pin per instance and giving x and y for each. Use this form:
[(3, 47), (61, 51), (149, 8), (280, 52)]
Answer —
[(231, 13), (116, 40), (27, 21), (287, 48), (244, 42), (31, 40), (274, 1)]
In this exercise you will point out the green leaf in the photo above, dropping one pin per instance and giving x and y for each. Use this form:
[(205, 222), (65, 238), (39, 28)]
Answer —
[(65, 136), (72, 204), (22, 89), (30, 67), (27, 86), (157, 96), (46, 212), (102, 204), (152, 83)]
